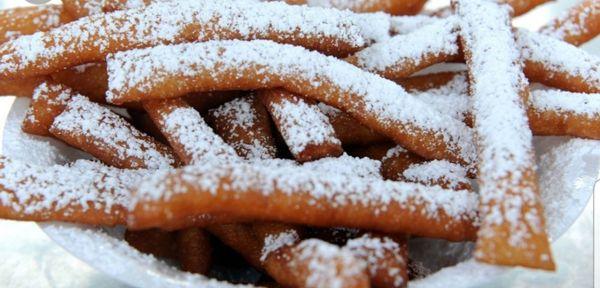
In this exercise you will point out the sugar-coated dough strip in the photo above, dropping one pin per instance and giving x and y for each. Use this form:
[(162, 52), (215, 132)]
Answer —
[(578, 25), (554, 112), (438, 172), (512, 230), (20, 87), (91, 38), (404, 7), (349, 130), (188, 134), (419, 83), (558, 64), (304, 195), (244, 123), (84, 192), (380, 104), (89, 79), (21, 21), (305, 129), (403, 55), (386, 258), (310, 263), (104, 134), (49, 99), (82, 8)]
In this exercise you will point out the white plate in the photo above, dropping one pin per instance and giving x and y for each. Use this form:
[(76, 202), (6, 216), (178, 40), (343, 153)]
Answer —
[(567, 167)]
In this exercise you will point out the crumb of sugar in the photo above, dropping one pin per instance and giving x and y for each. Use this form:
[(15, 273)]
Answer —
[(275, 242)]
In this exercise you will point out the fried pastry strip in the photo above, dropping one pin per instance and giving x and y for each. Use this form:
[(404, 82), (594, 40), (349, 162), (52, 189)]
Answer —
[(512, 231), (20, 87), (386, 258), (49, 99), (348, 130), (404, 7), (282, 192), (21, 21), (305, 129), (307, 263), (377, 103), (189, 136), (244, 124), (554, 112), (558, 64), (84, 192), (578, 25), (330, 31), (104, 134), (403, 55)]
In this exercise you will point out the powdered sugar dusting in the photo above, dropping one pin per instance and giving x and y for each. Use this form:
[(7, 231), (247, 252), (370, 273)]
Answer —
[(374, 250), (83, 117), (450, 98), (186, 126), (243, 19), (301, 123), (369, 94), (83, 185), (275, 242), (565, 102), (270, 177), (559, 57), (505, 141), (407, 24), (242, 116), (432, 172), (324, 264), (437, 38)]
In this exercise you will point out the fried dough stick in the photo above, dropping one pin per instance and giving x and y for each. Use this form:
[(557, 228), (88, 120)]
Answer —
[(305, 129), (84, 192), (244, 124), (330, 31), (21, 21), (558, 64), (405, 54), (223, 188), (405, 7), (348, 130), (581, 23), (380, 104), (104, 134), (512, 230)]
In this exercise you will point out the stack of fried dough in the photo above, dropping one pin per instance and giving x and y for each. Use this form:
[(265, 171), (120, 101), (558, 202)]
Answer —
[(309, 140)]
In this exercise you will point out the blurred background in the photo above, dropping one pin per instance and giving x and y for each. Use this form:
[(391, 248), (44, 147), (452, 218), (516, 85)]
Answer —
[(28, 258)]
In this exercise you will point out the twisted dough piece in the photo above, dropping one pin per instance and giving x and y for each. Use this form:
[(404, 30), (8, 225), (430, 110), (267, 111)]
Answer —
[(377, 103)]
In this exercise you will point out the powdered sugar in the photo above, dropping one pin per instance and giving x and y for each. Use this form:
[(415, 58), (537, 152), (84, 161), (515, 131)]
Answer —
[(434, 171), (565, 102), (84, 186), (187, 128), (275, 242), (505, 141), (360, 93), (301, 123), (559, 57), (242, 19), (437, 38), (107, 129), (407, 24), (328, 264), (374, 250)]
